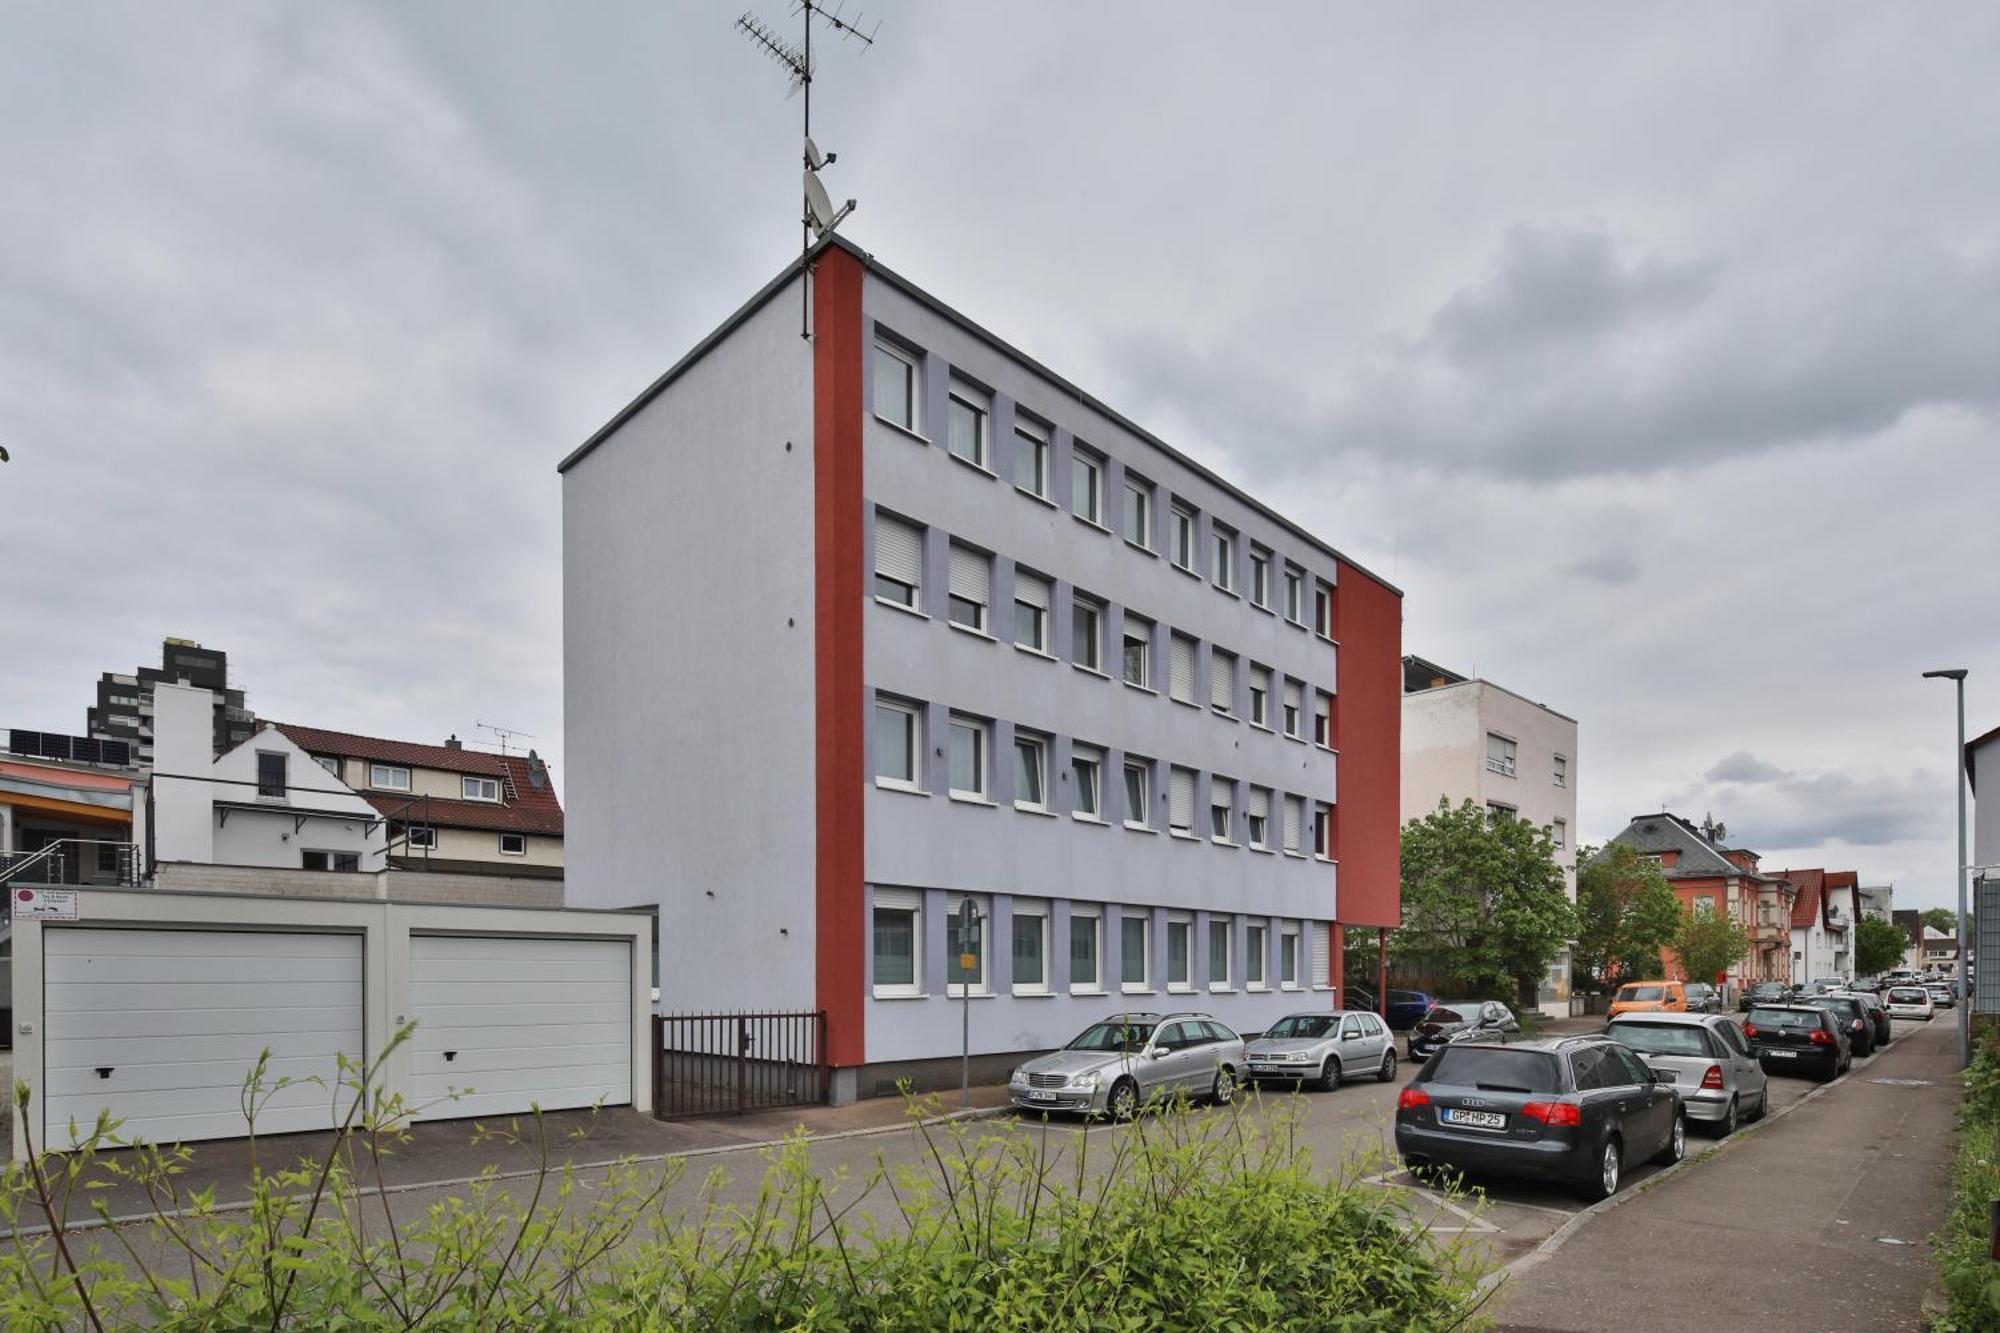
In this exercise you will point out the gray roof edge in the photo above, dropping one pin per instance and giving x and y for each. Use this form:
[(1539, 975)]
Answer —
[(999, 344)]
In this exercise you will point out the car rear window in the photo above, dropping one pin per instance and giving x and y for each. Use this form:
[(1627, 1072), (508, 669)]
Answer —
[(1639, 993), (1484, 1067), (1439, 1014), (1784, 1018), (1659, 1038), (1908, 995)]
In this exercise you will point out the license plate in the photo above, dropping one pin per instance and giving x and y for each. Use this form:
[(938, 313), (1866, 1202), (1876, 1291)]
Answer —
[(1475, 1119), (1783, 1055), (1040, 1095)]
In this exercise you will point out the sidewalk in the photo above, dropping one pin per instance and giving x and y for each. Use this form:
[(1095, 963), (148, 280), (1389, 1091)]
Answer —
[(1818, 1221)]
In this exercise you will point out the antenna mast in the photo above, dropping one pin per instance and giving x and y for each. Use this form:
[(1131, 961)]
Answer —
[(504, 733), (818, 216)]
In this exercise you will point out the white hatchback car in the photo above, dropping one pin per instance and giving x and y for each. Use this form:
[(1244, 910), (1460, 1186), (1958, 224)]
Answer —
[(1909, 1002)]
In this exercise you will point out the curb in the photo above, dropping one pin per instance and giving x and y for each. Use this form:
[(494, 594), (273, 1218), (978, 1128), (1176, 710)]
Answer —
[(410, 1187)]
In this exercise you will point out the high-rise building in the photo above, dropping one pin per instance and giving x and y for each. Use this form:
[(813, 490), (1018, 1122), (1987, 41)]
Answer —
[(124, 707)]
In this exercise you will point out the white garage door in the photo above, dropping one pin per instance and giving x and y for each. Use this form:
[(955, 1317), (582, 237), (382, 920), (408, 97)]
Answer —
[(161, 1026), (510, 1023)]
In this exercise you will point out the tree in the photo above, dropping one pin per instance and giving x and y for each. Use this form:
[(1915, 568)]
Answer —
[(1941, 919), (1483, 902), (1708, 943), (1626, 913), (1878, 945)]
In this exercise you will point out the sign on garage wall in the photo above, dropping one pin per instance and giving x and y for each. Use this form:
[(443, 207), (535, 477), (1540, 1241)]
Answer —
[(45, 905)]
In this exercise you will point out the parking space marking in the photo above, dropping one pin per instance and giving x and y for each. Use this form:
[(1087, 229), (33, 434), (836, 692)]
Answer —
[(1477, 1226)]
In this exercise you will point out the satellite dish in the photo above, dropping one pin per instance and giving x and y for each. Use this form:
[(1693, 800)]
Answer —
[(813, 158), (820, 206)]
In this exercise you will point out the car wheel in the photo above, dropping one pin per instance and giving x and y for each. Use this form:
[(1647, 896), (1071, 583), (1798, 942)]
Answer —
[(1224, 1091), (1763, 1106), (1122, 1102), (1727, 1125), (1329, 1074), (1388, 1070), (1677, 1140), (1610, 1168)]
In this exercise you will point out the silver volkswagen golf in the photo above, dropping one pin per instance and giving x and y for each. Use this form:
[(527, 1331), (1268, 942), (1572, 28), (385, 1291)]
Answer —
[(1116, 1065), (1322, 1048)]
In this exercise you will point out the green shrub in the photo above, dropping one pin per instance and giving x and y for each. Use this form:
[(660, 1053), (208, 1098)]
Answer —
[(1182, 1222), (1971, 1280)]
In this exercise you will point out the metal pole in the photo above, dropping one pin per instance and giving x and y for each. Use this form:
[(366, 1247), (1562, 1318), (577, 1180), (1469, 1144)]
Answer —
[(1958, 777)]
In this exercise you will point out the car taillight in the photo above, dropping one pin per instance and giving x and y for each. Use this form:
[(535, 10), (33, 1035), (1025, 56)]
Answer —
[(1749, 1029), (1713, 1078), (1557, 1115), (1409, 1099), (1820, 1037)]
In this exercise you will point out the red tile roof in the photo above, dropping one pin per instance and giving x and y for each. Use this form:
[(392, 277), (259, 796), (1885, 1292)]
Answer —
[(347, 745), (1805, 907), (525, 807)]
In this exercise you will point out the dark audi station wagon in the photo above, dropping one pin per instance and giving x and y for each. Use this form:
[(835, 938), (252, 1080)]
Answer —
[(1575, 1110)]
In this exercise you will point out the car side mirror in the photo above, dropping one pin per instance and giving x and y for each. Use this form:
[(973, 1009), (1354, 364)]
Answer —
[(1155, 1052), (1663, 1076)]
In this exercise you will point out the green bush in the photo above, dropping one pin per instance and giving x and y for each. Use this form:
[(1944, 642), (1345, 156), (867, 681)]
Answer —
[(1181, 1222), (1971, 1280)]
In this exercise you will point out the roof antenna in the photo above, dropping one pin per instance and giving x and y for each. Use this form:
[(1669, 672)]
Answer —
[(818, 216), (504, 733)]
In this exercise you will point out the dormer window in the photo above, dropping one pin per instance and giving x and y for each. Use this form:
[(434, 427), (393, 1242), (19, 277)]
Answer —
[(389, 777), (479, 789)]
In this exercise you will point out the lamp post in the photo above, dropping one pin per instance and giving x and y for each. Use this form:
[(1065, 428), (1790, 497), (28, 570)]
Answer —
[(1956, 675)]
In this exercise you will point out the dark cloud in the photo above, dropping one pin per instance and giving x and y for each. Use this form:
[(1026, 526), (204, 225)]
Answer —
[(1746, 768), (1612, 567)]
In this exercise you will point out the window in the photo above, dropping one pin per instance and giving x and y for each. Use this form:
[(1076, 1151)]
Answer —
[(1182, 533), (1295, 818), (1031, 612), (330, 860), (1180, 668), (1499, 755), (1294, 705), (957, 946), (1086, 622), (1218, 952), (388, 777), (1138, 664), (1031, 458), (1561, 835), (479, 789), (895, 386), (899, 560), (1180, 801), (1138, 791), (898, 742), (969, 410), (270, 774), (1288, 958), (1704, 904), (1323, 718), (1257, 818), (1221, 809), (423, 837), (968, 757), (1086, 486), (1255, 936), (1496, 811), (328, 762), (1260, 695), (971, 587), (1224, 542), (1562, 771), (1260, 577), (1222, 681), (1134, 951), (1138, 513), (1031, 772), (1294, 595), (1322, 610), (1180, 948), (1031, 947), (895, 927), (1322, 831), (1086, 769), (513, 844), (1086, 950)]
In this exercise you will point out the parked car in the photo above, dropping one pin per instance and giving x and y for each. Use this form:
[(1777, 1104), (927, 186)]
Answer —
[(1703, 998), (1460, 1020), (1909, 1002), (1116, 1065), (1570, 1109), (1649, 997), (1866, 986), (1407, 1008), (1827, 985), (1877, 1016), (1322, 1048), (1942, 996), (1855, 1023), (1798, 1037), (1764, 992), (1719, 1080)]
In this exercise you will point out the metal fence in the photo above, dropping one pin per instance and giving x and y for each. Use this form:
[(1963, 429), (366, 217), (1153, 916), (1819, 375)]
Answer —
[(730, 1064)]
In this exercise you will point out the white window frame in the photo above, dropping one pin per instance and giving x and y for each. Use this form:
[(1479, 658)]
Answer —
[(1288, 953), (1143, 494), (1323, 609), (1040, 618), (909, 902), (1184, 528), (913, 385), (1080, 758), (379, 782), (909, 596), (1322, 721), (1084, 463), (522, 838), (1322, 831), (1185, 924), (1040, 748), (420, 836), (1031, 440), (983, 621), (1561, 837), (980, 403), (914, 715), (1561, 773), (469, 784), (1508, 760), (1145, 772), (1145, 642), (1143, 986), (1222, 544), (1222, 800), (1087, 606), (981, 983), (1091, 919), (328, 762), (1259, 838), (1260, 700), (982, 733), (1226, 927), (1293, 713), (1038, 910), (1256, 955), (1295, 580), (1260, 577)]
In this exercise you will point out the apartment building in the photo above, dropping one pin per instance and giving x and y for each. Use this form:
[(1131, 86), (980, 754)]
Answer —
[(1824, 911), (863, 628), (1472, 740), (124, 707), (1708, 875)]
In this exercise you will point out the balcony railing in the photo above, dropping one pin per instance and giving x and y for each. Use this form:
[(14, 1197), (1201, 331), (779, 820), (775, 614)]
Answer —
[(73, 861)]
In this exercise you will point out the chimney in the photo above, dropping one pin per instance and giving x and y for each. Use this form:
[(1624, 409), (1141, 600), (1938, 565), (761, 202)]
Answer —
[(452, 742)]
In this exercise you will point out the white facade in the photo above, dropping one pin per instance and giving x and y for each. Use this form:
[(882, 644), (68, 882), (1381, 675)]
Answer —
[(1982, 764)]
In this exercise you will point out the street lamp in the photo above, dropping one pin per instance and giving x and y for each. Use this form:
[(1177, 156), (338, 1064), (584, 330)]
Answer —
[(1956, 675)]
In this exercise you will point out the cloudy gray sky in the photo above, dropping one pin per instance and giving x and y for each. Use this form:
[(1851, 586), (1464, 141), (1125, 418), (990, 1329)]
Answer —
[(1655, 353)]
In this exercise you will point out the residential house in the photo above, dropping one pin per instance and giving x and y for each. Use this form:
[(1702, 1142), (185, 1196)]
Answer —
[(1940, 951), (1982, 759), (1877, 900), (65, 809), (1473, 740), (1824, 910), (1707, 874), (1911, 922), (861, 629)]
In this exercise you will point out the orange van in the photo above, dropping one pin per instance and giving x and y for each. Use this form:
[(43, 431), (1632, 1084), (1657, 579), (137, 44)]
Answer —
[(1656, 997)]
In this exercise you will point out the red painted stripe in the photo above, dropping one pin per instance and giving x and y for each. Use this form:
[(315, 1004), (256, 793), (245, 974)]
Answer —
[(840, 575), (1368, 720)]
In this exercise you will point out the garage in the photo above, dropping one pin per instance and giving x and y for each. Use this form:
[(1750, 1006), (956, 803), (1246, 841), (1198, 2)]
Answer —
[(514, 1022), (160, 1027)]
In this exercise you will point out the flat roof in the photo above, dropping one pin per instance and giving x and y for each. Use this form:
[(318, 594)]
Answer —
[(999, 344)]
